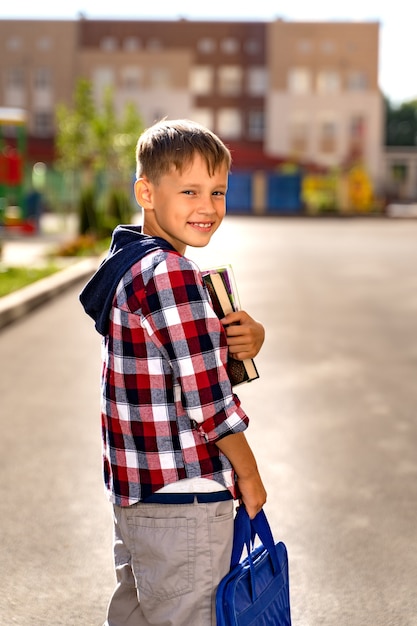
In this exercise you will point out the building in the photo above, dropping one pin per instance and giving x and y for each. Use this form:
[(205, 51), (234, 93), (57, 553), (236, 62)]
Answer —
[(400, 173), (212, 72), (324, 103), (274, 91), (37, 69)]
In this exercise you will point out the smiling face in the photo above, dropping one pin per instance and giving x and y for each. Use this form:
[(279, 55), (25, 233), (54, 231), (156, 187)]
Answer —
[(184, 207)]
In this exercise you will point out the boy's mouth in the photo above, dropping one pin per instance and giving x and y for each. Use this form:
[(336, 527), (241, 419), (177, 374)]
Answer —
[(201, 225)]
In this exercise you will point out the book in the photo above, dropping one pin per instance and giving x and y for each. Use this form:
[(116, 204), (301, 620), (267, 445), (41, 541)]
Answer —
[(221, 285)]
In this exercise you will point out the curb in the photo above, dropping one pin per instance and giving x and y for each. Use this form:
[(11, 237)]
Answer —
[(18, 303)]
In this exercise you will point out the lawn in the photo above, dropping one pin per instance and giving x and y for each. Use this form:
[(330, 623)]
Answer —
[(14, 278)]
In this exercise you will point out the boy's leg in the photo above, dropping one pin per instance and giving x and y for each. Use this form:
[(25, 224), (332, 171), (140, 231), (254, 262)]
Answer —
[(123, 609), (176, 555)]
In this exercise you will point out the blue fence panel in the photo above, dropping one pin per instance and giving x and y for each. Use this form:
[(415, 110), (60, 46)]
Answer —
[(239, 193), (284, 193)]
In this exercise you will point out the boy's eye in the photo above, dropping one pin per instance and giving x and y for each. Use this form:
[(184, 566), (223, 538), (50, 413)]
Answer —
[(190, 192)]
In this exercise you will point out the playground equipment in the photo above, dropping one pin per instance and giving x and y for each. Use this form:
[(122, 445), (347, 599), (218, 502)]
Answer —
[(13, 140)]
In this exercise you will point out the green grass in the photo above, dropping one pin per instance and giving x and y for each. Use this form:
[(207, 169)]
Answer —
[(14, 278)]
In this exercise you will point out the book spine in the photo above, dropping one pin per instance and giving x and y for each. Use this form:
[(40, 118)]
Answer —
[(220, 287)]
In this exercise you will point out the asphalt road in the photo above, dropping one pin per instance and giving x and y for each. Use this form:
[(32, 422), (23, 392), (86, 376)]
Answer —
[(333, 424)]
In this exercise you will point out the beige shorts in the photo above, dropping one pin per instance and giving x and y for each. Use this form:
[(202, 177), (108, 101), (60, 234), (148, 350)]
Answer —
[(169, 559)]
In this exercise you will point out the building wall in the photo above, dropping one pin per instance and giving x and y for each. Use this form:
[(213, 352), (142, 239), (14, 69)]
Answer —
[(156, 82), (294, 90), (343, 46), (283, 111), (399, 170), (222, 58), (324, 103), (37, 68)]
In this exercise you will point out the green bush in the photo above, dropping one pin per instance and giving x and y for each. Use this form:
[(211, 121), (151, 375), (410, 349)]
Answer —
[(87, 212), (117, 210)]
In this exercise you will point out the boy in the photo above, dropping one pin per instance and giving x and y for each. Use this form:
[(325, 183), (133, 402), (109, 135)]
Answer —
[(175, 454)]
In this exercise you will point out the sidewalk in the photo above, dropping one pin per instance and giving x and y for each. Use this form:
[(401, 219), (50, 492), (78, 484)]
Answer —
[(32, 251)]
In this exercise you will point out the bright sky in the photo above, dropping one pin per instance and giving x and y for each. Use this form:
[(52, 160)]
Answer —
[(398, 39)]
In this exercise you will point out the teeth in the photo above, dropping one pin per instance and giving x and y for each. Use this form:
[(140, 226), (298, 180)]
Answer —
[(202, 225)]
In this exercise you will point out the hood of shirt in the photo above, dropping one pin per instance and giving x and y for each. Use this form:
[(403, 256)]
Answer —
[(128, 245)]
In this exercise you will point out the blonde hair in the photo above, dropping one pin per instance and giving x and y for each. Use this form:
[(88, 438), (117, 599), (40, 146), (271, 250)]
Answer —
[(174, 143)]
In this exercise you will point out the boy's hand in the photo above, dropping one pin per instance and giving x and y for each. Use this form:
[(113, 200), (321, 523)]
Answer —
[(252, 494), (249, 483), (245, 336)]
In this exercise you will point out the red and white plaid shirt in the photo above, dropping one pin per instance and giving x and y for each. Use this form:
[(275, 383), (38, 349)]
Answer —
[(166, 396)]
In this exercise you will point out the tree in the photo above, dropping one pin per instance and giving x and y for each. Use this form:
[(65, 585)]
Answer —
[(401, 124), (74, 137), (98, 149), (126, 139)]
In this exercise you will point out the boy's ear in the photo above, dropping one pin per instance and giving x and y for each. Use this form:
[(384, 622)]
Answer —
[(143, 193)]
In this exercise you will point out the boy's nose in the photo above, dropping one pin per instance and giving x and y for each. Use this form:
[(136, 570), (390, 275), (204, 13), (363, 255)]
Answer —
[(206, 204)]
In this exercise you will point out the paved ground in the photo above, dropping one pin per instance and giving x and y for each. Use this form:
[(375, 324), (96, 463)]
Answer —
[(20, 249), (333, 424), (30, 251)]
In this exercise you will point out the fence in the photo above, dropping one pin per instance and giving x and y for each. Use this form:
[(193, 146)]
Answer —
[(250, 192)]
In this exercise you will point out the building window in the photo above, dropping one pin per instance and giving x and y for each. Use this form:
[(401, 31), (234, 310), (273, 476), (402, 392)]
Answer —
[(130, 44), (357, 81), (357, 133), (15, 92), (328, 81), (42, 78), (131, 78), (230, 45), (15, 98), (399, 172), (298, 134), (229, 123), (230, 80), (204, 117), (154, 44), (256, 125), (159, 77), (103, 78), (327, 135), (108, 44), (15, 78), (257, 78), (43, 123), (206, 45), (357, 127), (201, 80), (252, 46), (44, 43), (327, 46), (14, 43), (304, 46), (299, 80)]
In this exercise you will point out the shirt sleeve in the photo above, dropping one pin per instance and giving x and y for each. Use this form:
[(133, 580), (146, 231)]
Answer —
[(178, 316)]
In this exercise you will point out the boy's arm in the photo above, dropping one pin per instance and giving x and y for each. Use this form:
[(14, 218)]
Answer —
[(239, 453), (245, 335)]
